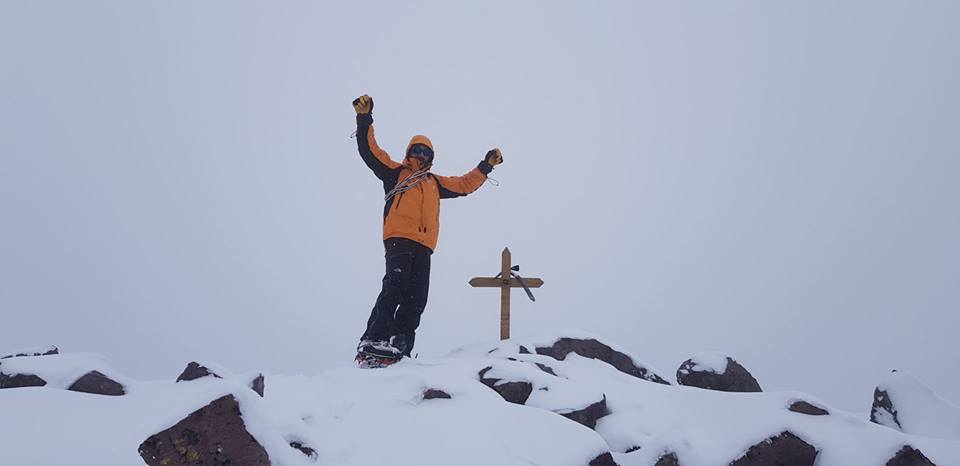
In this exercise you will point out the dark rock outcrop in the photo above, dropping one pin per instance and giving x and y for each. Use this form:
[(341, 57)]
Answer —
[(804, 407), (212, 435), (594, 349), (547, 369), (433, 394), (98, 384), (670, 459), (785, 449), (258, 384), (909, 456), (307, 451), (588, 416), (605, 459), (735, 379), (45, 352), (514, 392), (883, 409), (194, 371), (20, 381)]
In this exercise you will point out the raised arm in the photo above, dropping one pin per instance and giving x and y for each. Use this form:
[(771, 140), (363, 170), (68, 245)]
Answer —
[(456, 186), (376, 158)]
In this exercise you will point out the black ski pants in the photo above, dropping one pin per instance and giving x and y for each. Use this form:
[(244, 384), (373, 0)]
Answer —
[(403, 296)]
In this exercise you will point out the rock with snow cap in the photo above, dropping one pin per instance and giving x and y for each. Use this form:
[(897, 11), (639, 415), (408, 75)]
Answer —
[(669, 459), (909, 456), (512, 391), (904, 403), (588, 415), (605, 459), (785, 449), (194, 371), (716, 372), (213, 435), (435, 394), (97, 383), (808, 408), (31, 352), (20, 380), (594, 349)]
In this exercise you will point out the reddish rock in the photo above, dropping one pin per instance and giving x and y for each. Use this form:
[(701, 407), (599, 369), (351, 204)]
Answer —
[(514, 392), (785, 449), (212, 435), (804, 407), (194, 371), (605, 459), (432, 394), (98, 384), (594, 349), (20, 381), (589, 415), (909, 456), (735, 379)]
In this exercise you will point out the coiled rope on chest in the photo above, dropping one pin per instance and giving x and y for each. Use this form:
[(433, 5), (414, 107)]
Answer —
[(407, 184)]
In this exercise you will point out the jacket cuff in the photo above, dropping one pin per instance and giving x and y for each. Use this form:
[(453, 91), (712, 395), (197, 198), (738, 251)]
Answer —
[(364, 119), (485, 167)]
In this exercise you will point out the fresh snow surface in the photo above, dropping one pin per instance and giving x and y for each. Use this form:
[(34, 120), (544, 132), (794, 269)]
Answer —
[(709, 362), (919, 410), (355, 417)]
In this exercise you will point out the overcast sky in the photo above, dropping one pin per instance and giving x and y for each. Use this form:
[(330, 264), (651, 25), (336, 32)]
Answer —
[(772, 180)]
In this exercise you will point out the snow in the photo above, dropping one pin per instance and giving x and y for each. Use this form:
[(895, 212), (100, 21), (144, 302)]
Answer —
[(355, 417), (709, 362), (919, 410)]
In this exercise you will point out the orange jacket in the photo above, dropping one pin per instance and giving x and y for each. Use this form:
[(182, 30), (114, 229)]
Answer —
[(413, 213)]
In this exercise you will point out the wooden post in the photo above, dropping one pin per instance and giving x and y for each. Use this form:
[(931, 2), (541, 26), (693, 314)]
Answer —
[(505, 280), (505, 294)]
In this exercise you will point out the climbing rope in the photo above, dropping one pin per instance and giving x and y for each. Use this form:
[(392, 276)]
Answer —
[(407, 184)]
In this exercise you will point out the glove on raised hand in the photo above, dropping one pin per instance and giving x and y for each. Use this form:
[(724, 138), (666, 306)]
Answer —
[(494, 157), (363, 104)]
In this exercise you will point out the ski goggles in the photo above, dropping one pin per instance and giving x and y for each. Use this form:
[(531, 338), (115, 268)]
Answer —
[(421, 151)]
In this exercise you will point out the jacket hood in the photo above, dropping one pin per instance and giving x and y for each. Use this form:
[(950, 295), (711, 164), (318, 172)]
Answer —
[(418, 139)]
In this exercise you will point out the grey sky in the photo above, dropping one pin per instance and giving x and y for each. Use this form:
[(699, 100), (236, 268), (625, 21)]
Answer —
[(773, 180)]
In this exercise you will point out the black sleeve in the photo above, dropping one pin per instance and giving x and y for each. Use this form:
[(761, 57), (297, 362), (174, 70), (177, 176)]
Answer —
[(364, 120)]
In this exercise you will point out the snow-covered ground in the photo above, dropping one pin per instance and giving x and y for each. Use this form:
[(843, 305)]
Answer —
[(360, 417)]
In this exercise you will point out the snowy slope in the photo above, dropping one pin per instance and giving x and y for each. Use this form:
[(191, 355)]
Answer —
[(354, 417), (914, 408)]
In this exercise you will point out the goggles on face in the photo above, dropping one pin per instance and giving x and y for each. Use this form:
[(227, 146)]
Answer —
[(421, 150)]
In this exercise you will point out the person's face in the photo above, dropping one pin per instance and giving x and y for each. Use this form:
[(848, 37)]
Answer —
[(421, 153)]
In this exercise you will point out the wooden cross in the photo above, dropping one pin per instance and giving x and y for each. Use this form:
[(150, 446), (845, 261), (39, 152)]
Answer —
[(506, 280)]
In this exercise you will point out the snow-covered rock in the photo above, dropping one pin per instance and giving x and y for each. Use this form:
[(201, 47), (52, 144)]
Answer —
[(785, 449), (592, 348), (715, 371), (33, 351), (442, 411), (87, 373), (904, 403), (213, 434)]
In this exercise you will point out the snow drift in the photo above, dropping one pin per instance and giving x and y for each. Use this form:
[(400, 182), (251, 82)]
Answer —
[(567, 399)]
